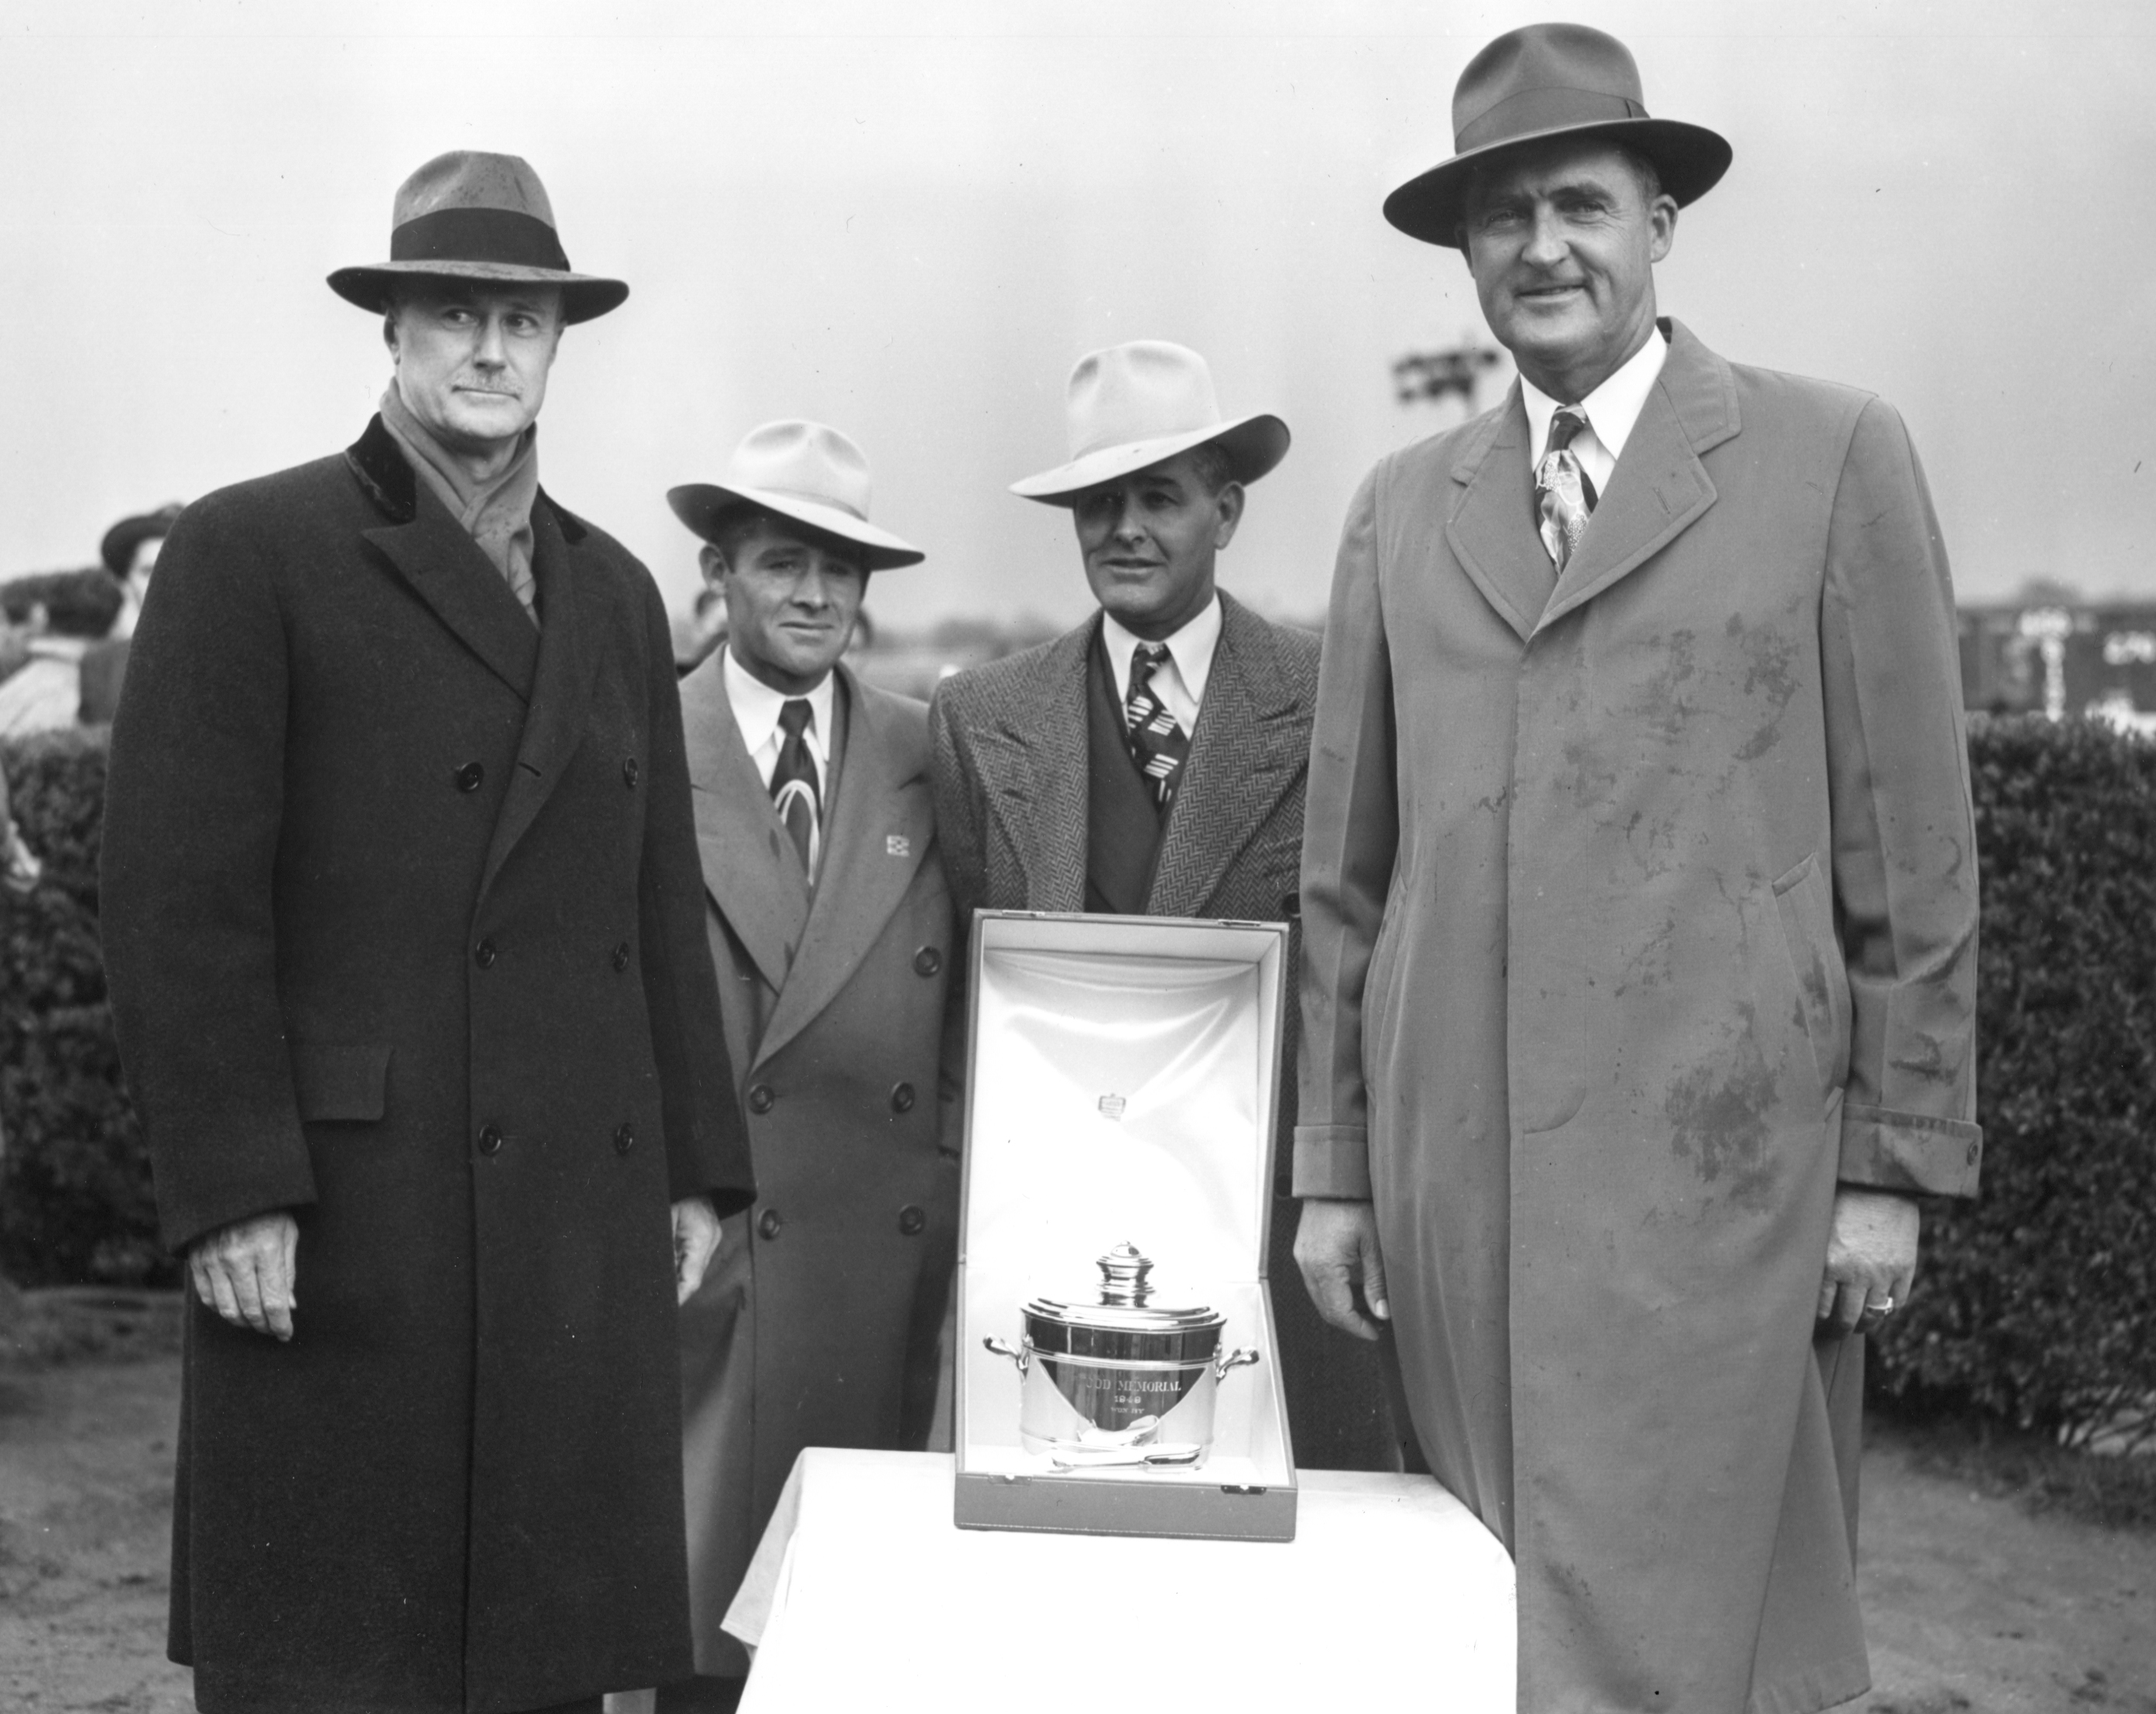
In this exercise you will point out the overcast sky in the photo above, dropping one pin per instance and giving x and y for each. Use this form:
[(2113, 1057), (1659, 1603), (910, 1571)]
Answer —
[(909, 219)]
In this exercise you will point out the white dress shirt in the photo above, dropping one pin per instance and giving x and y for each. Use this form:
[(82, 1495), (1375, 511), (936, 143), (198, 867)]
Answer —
[(1180, 681), (1612, 410), (756, 708)]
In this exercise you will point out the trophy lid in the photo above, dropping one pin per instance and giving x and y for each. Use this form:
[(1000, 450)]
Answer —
[(1124, 1301)]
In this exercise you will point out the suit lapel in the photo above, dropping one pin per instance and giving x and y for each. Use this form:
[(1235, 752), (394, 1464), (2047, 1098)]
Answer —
[(1249, 749), (1033, 772), (445, 568), (748, 858), (1491, 531), (880, 829)]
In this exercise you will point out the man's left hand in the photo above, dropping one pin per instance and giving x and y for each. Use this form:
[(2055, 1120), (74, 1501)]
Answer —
[(696, 1235), (1871, 1259)]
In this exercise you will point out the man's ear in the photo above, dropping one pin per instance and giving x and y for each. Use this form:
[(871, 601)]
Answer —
[(714, 564), (1662, 214), (1228, 505), (389, 331)]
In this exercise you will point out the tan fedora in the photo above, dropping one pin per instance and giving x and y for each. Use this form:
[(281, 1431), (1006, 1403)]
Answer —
[(1552, 80), (805, 471), (469, 216), (1133, 405)]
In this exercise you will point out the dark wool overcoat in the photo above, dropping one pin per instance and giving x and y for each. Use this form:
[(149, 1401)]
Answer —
[(1012, 759), (1640, 912), (403, 928)]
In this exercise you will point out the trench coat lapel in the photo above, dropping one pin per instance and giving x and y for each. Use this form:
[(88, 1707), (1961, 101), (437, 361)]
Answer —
[(1245, 755), (1491, 531), (746, 853), (881, 828), (576, 596), (1034, 772)]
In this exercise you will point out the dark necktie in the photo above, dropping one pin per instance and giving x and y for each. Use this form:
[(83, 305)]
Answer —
[(1565, 497), (794, 791), (1158, 744)]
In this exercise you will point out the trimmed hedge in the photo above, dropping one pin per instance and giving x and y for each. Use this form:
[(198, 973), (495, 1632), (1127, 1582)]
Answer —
[(2036, 1303)]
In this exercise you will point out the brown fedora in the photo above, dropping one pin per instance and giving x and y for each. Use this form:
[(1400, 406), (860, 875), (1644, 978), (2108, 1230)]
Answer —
[(1552, 80), (469, 216)]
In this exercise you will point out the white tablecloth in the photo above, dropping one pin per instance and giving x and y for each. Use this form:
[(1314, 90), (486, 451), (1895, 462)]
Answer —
[(864, 1594)]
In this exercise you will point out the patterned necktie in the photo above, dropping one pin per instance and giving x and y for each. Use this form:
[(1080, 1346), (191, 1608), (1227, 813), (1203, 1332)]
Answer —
[(1565, 497), (1158, 744), (793, 792)]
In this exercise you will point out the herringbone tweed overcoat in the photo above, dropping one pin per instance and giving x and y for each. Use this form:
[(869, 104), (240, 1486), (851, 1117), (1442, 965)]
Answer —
[(1639, 913), (404, 933)]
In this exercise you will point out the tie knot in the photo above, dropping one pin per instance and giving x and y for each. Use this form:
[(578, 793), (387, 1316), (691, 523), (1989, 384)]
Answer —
[(1145, 659), (794, 716), (1567, 422)]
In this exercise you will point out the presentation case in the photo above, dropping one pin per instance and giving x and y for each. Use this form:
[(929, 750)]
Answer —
[(1123, 1079)]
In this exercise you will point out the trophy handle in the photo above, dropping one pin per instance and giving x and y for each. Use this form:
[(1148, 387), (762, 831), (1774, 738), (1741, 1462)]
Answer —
[(1233, 1360), (1003, 1348)]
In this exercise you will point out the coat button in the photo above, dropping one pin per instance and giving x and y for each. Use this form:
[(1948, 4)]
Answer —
[(490, 1139), (911, 1221), (625, 1138), (927, 961), (902, 1098), (485, 953), (760, 1099), (628, 774), (469, 776), (621, 956), (768, 1226)]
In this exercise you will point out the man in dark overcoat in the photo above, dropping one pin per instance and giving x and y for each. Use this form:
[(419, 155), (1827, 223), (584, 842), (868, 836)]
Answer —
[(1640, 909), (1152, 762), (402, 922)]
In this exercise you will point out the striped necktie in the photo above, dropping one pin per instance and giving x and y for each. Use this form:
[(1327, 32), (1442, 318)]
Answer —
[(794, 791), (1565, 497), (1158, 744)]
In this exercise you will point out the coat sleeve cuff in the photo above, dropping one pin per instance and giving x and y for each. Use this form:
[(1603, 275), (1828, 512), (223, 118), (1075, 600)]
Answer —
[(1911, 1152), (1332, 1161)]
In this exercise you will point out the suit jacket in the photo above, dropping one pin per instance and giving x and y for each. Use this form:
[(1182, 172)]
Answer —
[(817, 1326), (1637, 919), (1011, 794), (400, 920), (104, 673)]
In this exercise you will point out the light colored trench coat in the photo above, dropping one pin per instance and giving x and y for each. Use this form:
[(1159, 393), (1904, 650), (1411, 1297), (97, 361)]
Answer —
[(1638, 914)]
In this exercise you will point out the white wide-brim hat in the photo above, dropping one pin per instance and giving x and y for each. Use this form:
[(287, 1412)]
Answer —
[(808, 472), (1132, 405)]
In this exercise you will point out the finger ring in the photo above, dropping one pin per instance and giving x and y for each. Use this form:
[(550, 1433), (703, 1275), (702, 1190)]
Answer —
[(1885, 1307)]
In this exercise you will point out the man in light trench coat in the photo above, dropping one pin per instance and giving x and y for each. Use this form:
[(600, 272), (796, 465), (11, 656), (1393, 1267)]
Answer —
[(404, 931), (1640, 906)]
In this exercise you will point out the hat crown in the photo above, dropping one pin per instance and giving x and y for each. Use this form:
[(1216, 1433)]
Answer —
[(466, 178), (810, 461), (1147, 389), (1544, 74)]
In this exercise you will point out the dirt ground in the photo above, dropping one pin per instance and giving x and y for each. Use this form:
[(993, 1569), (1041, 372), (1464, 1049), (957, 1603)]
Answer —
[(1972, 1604)]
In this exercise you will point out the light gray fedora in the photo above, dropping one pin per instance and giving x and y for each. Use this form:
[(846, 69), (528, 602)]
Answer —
[(806, 471)]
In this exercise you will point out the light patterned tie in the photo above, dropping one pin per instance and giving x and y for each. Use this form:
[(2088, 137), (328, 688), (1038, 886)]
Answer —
[(1565, 497), (793, 792), (1158, 744)]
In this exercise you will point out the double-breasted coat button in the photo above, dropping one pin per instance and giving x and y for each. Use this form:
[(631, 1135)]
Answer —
[(628, 774), (621, 956), (490, 1139), (625, 1138), (760, 1099), (902, 1098), (769, 1225), (927, 961), (470, 777), (485, 953), (911, 1221)]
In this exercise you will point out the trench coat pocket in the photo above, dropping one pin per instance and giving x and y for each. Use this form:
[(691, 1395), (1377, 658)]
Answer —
[(1805, 907), (340, 1085)]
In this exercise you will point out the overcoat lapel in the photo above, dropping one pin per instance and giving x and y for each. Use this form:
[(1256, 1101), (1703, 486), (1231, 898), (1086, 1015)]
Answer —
[(576, 597), (1491, 531), (880, 829), (1034, 774), (1245, 754), (746, 852)]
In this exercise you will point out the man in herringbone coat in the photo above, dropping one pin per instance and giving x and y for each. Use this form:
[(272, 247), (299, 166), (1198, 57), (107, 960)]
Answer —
[(1152, 761)]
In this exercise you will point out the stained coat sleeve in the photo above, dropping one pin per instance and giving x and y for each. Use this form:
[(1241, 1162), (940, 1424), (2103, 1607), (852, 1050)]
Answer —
[(193, 812), (1904, 831), (707, 1148), (1350, 835)]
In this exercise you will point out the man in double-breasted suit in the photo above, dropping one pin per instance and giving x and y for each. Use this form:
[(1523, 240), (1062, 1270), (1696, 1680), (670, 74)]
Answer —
[(830, 925), (400, 918), (1152, 762), (1639, 903)]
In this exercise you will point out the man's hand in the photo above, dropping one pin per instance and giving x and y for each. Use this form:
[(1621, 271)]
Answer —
[(1871, 1259), (246, 1271), (696, 1234), (1336, 1245)]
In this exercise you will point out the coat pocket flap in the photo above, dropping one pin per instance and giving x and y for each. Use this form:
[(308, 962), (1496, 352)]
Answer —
[(341, 1084)]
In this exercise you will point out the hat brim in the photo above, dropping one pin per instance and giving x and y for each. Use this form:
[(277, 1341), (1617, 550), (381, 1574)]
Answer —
[(698, 504), (1690, 158), (584, 296), (1254, 445)]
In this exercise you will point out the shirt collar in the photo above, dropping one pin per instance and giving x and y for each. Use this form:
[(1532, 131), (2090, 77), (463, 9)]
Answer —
[(1191, 649), (1612, 409), (756, 708)]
